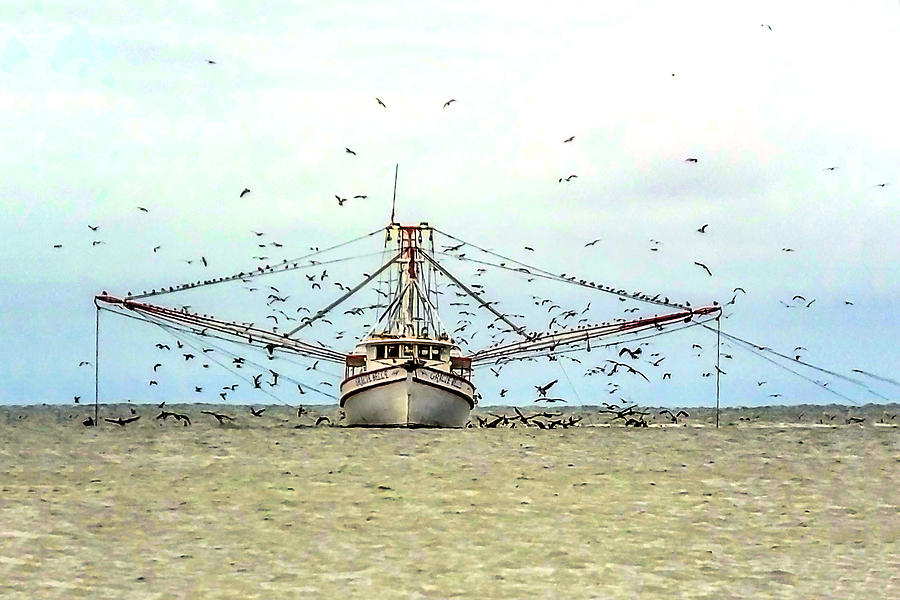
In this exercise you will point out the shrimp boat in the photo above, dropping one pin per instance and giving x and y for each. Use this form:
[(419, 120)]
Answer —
[(407, 371)]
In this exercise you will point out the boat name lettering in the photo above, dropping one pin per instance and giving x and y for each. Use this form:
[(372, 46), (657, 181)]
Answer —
[(444, 378), (375, 376)]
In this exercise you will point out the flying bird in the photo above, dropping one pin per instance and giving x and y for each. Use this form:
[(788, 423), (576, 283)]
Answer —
[(142, 209), (591, 243), (257, 413), (691, 160), (219, 417), (210, 61), (380, 102), (567, 140), (704, 267), (244, 192), (769, 27), (349, 151), (632, 353), (123, 422), (93, 227), (448, 102), (543, 389), (702, 229)]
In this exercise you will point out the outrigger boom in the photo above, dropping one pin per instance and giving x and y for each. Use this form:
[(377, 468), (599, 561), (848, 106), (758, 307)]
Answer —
[(408, 371)]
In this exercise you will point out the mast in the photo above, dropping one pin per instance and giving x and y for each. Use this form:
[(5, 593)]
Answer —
[(394, 200), (411, 310)]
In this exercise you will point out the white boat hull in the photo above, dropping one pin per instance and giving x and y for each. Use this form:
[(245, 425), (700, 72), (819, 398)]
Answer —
[(402, 397)]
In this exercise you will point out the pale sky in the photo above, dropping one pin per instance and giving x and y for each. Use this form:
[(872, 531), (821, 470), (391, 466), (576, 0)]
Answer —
[(109, 106)]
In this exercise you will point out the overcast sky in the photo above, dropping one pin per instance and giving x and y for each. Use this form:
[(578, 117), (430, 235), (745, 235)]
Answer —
[(109, 106)]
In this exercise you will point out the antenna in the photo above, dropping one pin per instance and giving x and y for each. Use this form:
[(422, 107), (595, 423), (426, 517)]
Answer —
[(394, 201)]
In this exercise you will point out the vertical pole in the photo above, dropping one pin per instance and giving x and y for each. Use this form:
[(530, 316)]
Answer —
[(394, 201), (97, 370), (718, 370)]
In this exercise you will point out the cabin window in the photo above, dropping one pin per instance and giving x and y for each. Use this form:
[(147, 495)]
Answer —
[(424, 351), (435, 353), (408, 350), (392, 350), (379, 351)]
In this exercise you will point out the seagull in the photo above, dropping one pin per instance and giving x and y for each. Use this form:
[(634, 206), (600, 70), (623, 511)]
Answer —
[(361, 197), (349, 151), (244, 192), (703, 228), (591, 243), (93, 227), (210, 61), (155, 248), (691, 160), (219, 417), (141, 208), (543, 389), (881, 185), (340, 200), (632, 353), (380, 102), (566, 141), (769, 27), (76, 398), (257, 413), (829, 169), (704, 267), (57, 245), (123, 422), (448, 102)]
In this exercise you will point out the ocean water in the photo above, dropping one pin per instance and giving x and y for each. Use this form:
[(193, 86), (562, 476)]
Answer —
[(770, 505)]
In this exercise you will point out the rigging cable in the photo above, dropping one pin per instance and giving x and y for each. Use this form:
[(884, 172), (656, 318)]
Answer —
[(805, 364), (753, 348), (548, 275), (267, 270)]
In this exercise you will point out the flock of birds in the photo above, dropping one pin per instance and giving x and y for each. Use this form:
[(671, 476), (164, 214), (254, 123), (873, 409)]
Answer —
[(280, 314)]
